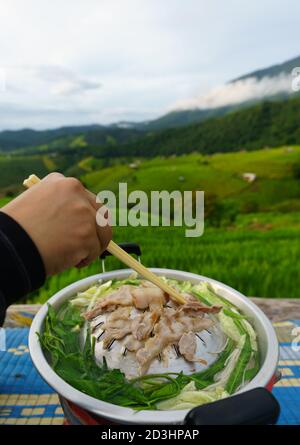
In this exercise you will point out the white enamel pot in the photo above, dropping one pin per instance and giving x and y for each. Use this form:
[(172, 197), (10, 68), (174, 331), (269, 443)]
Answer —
[(107, 412)]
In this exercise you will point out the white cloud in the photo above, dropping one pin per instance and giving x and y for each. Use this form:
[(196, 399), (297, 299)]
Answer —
[(51, 79), (239, 91), (106, 60), (64, 81)]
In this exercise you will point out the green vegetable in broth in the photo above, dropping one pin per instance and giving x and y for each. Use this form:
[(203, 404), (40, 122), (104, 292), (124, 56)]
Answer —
[(75, 363)]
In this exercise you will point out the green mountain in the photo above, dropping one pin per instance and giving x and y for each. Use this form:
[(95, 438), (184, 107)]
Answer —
[(14, 139), (265, 124), (123, 132), (272, 71), (180, 118), (272, 123), (184, 117), (64, 137)]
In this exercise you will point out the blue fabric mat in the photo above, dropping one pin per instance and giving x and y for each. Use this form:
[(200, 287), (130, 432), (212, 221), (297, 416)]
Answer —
[(26, 399), (24, 396)]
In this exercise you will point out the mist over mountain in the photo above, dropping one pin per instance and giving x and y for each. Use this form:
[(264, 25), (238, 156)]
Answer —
[(272, 84), (273, 71)]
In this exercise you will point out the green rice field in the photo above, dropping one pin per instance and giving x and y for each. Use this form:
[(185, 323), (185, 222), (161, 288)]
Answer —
[(259, 255), (256, 252)]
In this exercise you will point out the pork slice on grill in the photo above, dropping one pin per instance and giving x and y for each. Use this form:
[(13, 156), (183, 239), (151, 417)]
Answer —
[(120, 297), (187, 347)]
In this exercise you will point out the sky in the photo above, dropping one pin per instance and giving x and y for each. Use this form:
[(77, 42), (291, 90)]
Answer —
[(77, 62)]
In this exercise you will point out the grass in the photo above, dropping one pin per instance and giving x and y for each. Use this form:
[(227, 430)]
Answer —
[(5, 200), (276, 186), (218, 174), (14, 169), (258, 256)]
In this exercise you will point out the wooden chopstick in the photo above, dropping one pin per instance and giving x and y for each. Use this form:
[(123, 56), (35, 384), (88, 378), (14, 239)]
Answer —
[(127, 259)]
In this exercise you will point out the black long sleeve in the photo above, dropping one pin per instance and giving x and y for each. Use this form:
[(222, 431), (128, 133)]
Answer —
[(21, 266)]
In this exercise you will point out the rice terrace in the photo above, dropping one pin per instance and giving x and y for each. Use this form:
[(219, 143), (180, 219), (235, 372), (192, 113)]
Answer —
[(251, 228)]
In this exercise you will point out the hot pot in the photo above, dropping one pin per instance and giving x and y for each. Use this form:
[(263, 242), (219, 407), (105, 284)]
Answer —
[(252, 404)]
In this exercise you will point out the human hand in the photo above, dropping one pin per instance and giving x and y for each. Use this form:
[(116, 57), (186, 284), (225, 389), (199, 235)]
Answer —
[(59, 215)]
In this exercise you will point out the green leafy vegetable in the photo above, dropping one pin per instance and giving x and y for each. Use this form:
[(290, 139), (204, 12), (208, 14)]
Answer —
[(205, 293), (230, 326), (77, 366), (201, 298), (75, 362), (189, 397), (205, 378), (233, 314), (251, 372), (237, 375)]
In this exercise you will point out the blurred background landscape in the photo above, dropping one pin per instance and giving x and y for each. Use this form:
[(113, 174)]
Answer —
[(238, 140)]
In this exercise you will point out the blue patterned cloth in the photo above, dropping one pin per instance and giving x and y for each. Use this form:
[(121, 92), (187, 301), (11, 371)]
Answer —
[(24, 396), (26, 399)]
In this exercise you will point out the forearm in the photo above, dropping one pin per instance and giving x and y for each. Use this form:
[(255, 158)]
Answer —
[(21, 266)]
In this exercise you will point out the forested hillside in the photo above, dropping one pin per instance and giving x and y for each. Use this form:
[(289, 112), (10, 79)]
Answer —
[(266, 124)]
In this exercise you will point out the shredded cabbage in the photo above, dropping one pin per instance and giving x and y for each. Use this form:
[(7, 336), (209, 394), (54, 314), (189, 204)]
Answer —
[(89, 296), (229, 327), (242, 363), (252, 334), (190, 397), (205, 292)]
